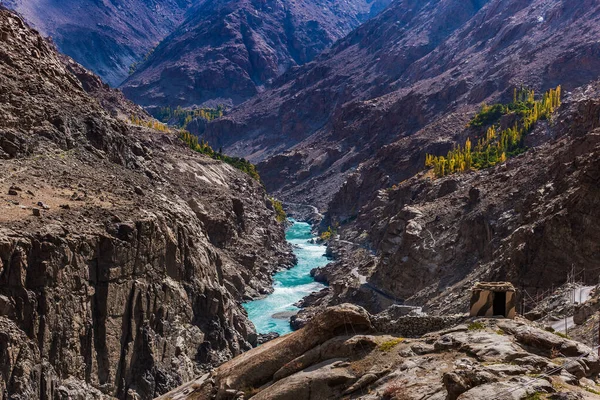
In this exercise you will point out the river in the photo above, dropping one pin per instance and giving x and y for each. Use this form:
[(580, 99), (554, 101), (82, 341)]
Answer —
[(289, 285)]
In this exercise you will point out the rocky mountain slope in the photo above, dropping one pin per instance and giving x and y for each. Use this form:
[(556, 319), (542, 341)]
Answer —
[(411, 76), (228, 51), (106, 37), (347, 353), (532, 221), (123, 254)]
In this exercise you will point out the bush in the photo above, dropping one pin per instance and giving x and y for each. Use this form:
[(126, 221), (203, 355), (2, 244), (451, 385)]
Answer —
[(279, 212), (328, 234), (488, 115)]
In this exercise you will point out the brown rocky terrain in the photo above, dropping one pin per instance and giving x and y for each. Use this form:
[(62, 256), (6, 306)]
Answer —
[(347, 353), (123, 254), (106, 37), (228, 51), (532, 221), (401, 84)]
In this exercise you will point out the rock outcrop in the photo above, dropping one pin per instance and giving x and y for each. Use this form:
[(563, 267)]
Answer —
[(492, 358), (124, 256)]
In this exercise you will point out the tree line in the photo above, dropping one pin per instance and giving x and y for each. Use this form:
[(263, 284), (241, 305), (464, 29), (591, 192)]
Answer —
[(181, 117), (204, 148), (497, 145)]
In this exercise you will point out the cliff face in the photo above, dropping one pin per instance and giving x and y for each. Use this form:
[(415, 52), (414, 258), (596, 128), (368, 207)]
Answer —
[(228, 51), (410, 77), (106, 37), (532, 221), (123, 255)]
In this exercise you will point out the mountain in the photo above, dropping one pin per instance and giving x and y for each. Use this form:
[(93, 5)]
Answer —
[(228, 51), (400, 85), (124, 255), (106, 37), (532, 220)]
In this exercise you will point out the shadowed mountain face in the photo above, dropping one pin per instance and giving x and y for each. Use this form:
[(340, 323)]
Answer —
[(228, 51), (104, 36), (404, 83)]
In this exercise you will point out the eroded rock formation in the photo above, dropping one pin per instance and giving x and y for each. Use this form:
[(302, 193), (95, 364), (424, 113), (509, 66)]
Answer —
[(123, 255)]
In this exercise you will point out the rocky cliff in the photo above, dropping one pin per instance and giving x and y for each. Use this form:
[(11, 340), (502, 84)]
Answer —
[(532, 220), (228, 51), (403, 83), (106, 37), (123, 255)]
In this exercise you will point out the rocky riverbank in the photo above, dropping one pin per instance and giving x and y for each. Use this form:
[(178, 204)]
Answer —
[(344, 353)]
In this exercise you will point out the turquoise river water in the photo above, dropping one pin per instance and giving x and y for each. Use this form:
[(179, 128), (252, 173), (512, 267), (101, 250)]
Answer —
[(290, 285)]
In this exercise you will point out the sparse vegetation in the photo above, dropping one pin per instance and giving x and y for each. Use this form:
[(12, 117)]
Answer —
[(497, 145), (534, 396), (328, 234), (203, 147), (180, 117), (389, 344), (589, 389), (152, 123), (562, 335), (476, 326), (279, 212), (395, 391)]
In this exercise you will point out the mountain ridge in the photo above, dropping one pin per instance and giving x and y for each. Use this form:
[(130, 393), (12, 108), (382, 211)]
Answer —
[(389, 82), (226, 52)]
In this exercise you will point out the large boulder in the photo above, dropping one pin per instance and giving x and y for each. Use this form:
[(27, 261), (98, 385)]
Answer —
[(257, 366)]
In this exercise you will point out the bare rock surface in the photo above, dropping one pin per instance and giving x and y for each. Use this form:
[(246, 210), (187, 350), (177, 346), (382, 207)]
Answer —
[(129, 279), (485, 358)]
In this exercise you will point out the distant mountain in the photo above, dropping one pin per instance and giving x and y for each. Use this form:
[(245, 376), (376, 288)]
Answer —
[(228, 51), (404, 83), (104, 36)]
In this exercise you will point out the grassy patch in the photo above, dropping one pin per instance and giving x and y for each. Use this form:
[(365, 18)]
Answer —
[(476, 326), (589, 389), (390, 344), (534, 396), (562, 335)]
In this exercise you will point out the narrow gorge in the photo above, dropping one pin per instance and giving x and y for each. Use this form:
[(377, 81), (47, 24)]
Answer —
[(273, 313), (300, 200)]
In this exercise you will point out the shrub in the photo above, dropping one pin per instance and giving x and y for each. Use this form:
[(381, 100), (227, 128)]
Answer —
[(390, 344), (395, 391), (279, 212), (328, 234)]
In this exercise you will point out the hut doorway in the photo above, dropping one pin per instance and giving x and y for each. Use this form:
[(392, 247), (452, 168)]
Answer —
[(500, 303)]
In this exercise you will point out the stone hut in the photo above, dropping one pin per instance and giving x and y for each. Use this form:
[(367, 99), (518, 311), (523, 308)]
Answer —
[(490, 299)]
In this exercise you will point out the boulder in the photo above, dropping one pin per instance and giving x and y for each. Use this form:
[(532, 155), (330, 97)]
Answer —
[(259, 365)]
